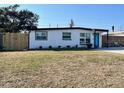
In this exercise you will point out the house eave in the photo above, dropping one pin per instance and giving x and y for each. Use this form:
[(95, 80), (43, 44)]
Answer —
[(68, 28)]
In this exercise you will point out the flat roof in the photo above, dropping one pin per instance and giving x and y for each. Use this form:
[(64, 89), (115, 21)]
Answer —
[(64, 28)]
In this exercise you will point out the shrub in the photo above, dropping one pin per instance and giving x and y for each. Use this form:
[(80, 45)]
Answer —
[(76, 46), (89, 45), (59, 46), (40, 47), (50, 47), (68, 46)]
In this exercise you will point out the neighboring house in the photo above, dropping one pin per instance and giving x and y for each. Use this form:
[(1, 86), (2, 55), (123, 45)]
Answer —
[(63, 37), (116, 39)]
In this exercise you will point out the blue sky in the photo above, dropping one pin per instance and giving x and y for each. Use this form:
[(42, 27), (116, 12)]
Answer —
[(94, 16)]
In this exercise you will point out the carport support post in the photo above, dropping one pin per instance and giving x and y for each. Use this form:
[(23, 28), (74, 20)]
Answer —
[(107, 38), (94, 38)]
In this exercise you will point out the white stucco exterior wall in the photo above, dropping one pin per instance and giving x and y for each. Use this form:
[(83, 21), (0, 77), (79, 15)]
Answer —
[(55, 39)]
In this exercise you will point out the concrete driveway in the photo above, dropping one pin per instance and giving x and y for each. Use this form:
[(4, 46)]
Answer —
[(112, 49)]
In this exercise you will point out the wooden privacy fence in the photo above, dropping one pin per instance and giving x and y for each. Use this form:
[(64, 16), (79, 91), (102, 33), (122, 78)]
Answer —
[(15, 41)]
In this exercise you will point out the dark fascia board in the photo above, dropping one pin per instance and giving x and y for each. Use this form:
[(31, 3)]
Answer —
[(104, 30), (66, 28)]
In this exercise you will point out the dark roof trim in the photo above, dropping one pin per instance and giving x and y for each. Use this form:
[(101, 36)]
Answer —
[(64, 28)]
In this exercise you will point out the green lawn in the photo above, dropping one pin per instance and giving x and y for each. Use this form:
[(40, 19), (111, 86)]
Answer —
[(61, 69)]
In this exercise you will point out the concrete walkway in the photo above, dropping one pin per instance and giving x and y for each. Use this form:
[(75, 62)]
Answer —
[(112, 49)]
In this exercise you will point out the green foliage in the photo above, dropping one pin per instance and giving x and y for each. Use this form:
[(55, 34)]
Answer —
[(14, 20)]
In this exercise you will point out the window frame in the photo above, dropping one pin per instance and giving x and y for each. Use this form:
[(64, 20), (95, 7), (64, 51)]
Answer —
[(81, 43), (83, 35), (41, 35), (86, 37), (67, 36)]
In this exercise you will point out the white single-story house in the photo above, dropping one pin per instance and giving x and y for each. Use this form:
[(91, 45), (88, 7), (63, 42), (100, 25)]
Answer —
[(63, 37)]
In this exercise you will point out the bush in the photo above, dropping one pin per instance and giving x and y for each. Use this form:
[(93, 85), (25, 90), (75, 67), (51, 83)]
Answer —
[(68, 46), (89, 45), (59, 46), (50, 47), (40, 47), (76, 46)]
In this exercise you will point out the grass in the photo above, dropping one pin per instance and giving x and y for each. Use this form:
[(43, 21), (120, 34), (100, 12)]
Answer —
[(61, 69)]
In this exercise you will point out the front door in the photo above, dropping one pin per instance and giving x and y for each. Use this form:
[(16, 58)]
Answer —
[(96, 40)]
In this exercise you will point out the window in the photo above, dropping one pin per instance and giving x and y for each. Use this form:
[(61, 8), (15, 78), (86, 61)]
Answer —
[(41, 35), (82, 38), (87, 35), (85, 38), (82, 34), (66, 35), (82, 41), (88, 38)]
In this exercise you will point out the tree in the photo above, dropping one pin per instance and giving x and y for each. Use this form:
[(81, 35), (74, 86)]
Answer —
[(14, 20)]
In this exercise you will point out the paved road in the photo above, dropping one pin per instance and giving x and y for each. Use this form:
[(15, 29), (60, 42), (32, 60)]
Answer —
[(112, 49)]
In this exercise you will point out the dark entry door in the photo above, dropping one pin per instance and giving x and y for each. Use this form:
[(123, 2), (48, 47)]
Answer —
[(96, 40), (1, 41)]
